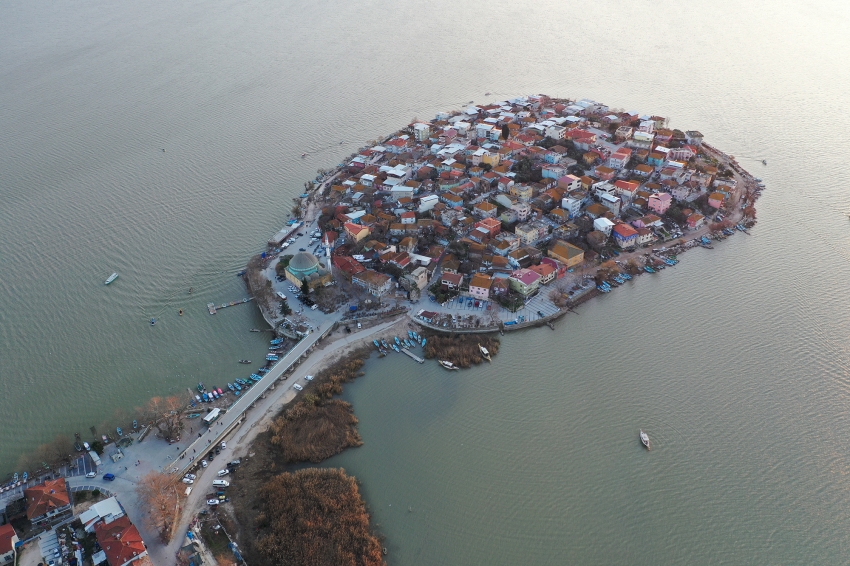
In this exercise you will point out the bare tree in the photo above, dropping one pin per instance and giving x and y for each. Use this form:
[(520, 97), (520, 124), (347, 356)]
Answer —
[(159, 498), (165, 414)]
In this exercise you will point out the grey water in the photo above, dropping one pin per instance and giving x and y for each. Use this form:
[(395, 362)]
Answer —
[(735, 361)]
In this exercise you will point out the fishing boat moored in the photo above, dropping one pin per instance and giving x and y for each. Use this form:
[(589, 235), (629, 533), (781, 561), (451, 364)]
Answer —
[(119, 431), (484, 353), (244, 361), (448, 365)]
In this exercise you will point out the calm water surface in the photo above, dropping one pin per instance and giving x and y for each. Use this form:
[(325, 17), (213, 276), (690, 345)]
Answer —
[(735, 362)]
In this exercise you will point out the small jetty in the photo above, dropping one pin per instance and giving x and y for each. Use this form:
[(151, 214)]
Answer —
[(212, 306), (413, 356)]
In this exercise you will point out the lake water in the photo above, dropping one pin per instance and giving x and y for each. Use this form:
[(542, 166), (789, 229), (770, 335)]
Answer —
[(735, 362)]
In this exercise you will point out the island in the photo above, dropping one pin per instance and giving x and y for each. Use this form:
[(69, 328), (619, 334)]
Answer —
[(431, 243)]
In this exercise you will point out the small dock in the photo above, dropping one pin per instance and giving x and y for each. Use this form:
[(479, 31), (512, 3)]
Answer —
[(412, 355), (212, 307)]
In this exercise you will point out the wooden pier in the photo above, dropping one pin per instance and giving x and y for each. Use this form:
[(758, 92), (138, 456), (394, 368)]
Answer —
[(212, 307), (412, 355)]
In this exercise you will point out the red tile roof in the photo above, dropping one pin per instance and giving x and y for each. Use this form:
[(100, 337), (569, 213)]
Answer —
[(46, 497), (6, 534), (120, 540)]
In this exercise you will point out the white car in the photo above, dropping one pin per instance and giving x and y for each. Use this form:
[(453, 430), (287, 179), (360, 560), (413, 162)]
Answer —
[(91, 474), (222, 473), (191, 476), (359, 326), (298, 387), (212, 501), (203, 463), (308, 377), (188, 481), (223, 445)]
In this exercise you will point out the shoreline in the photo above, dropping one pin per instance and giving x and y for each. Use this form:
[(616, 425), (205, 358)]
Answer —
[(334, 345)]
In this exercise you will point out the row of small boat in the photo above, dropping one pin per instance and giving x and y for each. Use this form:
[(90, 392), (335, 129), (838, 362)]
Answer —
[(411, 342)]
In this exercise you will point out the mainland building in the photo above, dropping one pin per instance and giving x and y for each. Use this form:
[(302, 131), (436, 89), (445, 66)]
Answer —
[(304, 266)]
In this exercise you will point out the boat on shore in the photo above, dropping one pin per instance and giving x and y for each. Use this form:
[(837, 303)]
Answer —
[(119, 431), (104, 438), (200, 387), (644, 439), (394, 347), (375, 342), (193, 415), (484, 353), (135, 424), (448, 365), (244, 361), (111, 278)]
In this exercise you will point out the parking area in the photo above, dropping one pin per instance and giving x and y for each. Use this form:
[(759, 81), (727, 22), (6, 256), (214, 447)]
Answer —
[(82, 465), (48, 544)]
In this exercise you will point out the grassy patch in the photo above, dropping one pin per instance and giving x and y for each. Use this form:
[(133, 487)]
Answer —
[(315, 517), (312, 432), (462, 349)]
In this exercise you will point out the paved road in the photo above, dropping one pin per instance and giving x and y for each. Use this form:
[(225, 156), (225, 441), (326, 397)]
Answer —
[(218, 429)]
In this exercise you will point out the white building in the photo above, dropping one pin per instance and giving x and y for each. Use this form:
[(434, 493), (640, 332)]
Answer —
[(603, 225)]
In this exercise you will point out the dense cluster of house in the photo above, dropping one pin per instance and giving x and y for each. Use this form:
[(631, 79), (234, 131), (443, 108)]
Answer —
[(49, 503), (510, 196)]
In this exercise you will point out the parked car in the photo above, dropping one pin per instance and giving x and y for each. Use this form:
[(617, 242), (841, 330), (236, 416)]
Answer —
[(203, 463), (91, 474), (212, 501), (298, 387), (223, 445), (235, 462), (359, 326), (109, 477), (192, 476), (188, 481)]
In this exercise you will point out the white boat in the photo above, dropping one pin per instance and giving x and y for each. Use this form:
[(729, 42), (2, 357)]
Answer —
[(448, 365), (484, 352), (644, 439), (111, 278)]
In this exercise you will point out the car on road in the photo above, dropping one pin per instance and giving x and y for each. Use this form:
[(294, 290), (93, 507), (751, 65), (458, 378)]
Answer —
[(359, 326), (188, 481), (223, 445), (91, 474), (296, 386), (109, 477), (235, 463), (302, 249), (212, 501), (191, 476), (308, 377), (222, 473), (203, 463)]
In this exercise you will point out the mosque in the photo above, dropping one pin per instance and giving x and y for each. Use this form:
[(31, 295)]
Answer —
[(304, 266)]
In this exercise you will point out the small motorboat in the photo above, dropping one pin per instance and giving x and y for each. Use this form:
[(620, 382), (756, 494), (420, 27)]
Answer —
[(25, 476), (200, 387), (484, 353), (153, 321), (230, 386), (644, 439), (423, 342), (119, 431), (375, 342), (254, 330), (448, 365), (303, 155), (111, 278), (764, 161), (385, 345), (394, 347), (15, 478), (180, 312), (104, 438), (135, 425), (397, 341), (244, 361)]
